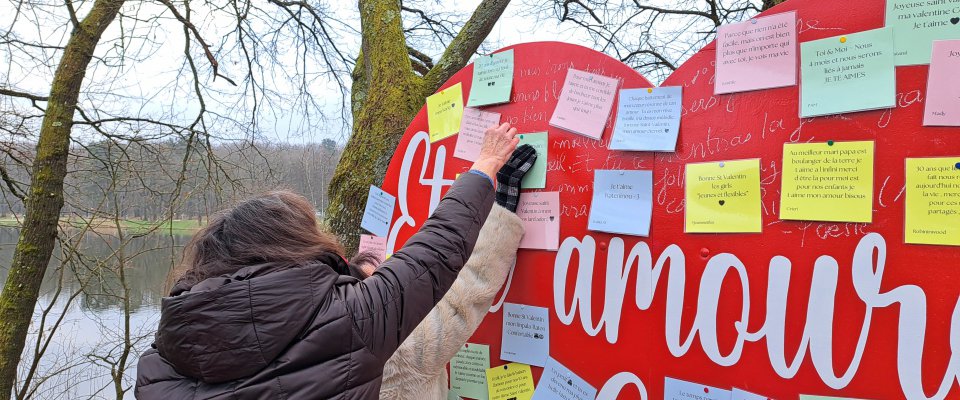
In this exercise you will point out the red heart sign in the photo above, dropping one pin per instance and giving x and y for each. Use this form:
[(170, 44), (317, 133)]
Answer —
[(839, 309)]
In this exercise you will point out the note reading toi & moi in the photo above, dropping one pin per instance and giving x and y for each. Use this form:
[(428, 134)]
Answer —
[(847, 73)]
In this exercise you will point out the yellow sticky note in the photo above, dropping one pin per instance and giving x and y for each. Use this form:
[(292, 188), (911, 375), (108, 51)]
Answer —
[(827, 182), (723, 197), (510, 381), (444, 111), (933, 201)]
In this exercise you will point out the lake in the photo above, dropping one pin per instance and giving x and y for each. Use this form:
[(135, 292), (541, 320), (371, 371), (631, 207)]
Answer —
[(91, 338)]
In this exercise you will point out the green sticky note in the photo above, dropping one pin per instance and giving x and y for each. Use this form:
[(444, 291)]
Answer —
[(492, 79), (468, 372), (536, 178), (916, 24), (847, 73)]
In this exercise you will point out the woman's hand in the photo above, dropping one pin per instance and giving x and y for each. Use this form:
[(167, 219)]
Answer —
[(498, 144)]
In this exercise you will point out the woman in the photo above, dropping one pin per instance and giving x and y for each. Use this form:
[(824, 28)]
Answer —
[(266, 308), (418, 369)]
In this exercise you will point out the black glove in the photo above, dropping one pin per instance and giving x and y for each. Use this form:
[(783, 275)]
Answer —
[(509, 177)]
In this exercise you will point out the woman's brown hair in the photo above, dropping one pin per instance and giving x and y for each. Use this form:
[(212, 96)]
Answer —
[(275, 227)]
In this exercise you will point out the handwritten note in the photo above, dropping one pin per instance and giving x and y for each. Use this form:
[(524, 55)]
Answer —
[(740, 394), (723, 197), (559, 382), (827, 183), (536, 177), (526, 334), (468, 371), (585, 103), (647, 119), (510, 382), (444, 110), (622, 202), (379, 212), (757, 54), (942, 106), (933, 201), (540, 214), (375, 245), (847, 73), (675, 389), (492, 79), (473, 127), (916, 24)]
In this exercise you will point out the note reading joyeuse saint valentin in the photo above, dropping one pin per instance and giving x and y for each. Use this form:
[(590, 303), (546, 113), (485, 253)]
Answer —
[(847, 73), (917, 23), (647, 119), (585, 103), (757, 54), (492, 79), (540, 214), (444, 110)]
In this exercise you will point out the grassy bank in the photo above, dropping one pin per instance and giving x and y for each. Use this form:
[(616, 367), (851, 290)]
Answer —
[(130, 226)]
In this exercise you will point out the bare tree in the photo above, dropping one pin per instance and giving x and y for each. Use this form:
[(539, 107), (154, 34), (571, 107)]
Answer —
[(248, 68), (391, 81), (653, 37)]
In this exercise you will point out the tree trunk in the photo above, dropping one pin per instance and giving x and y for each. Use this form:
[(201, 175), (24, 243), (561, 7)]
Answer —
[(768, 4), (45, 197), (385, 96)]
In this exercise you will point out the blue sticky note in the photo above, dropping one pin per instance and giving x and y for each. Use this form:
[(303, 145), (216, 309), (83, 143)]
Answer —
[(526, 334), (379, 212), (559, 382), (647, 119), (622, 202)]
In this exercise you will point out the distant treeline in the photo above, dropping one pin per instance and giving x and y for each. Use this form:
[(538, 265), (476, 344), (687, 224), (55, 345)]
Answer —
[(158, 180)]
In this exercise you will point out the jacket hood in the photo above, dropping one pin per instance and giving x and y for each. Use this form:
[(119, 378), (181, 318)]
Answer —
[(230, 327)]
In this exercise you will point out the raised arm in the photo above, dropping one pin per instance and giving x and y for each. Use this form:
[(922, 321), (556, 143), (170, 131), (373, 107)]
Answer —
[(387, 306)]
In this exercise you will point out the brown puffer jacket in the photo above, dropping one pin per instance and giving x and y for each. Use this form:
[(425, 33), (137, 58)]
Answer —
[(305, 332)]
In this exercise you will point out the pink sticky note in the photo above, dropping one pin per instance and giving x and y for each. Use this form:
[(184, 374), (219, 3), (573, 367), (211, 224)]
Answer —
[(540, 213), (943, 85), (585, 103), (757, 54), (473, 125), (375, 245)]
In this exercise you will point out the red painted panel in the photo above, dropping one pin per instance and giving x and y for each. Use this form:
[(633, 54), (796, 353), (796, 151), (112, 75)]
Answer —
[(920, 282)]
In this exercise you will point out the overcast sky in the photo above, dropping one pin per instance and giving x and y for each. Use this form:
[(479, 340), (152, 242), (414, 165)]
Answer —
[(153, 80)]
